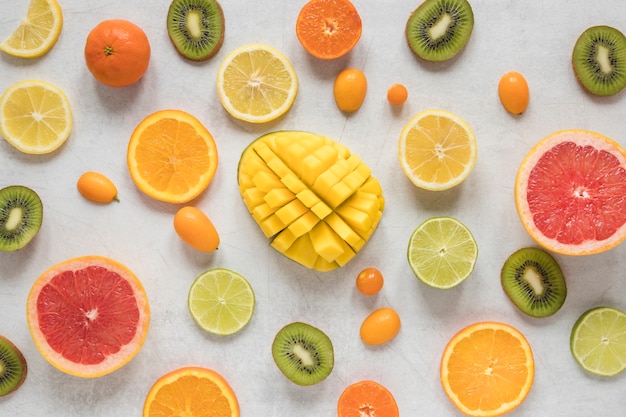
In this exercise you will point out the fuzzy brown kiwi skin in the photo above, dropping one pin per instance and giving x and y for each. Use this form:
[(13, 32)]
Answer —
[(22, 361), (215, 50)]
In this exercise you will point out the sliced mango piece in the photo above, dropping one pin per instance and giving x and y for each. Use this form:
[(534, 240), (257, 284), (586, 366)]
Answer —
[(315, 201)]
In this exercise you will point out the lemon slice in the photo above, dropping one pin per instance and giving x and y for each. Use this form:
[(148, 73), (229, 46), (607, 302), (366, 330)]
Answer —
[(598, 341), (437, 150), (442, 252), (221, 301), (256, 83), (38, 31), (35, 116)]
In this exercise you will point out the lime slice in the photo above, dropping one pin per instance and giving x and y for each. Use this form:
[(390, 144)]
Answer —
[(598, 341), (442, 252), (221, 301)]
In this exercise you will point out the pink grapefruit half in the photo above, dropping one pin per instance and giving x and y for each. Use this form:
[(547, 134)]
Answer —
[(570, 192), (88, 316)]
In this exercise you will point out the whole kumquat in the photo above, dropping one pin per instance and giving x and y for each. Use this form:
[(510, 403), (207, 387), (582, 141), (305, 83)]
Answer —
[(397, 94), (96, 187), (350, 89), (513, 92), (369, 281), (380, 326), (196, 229)]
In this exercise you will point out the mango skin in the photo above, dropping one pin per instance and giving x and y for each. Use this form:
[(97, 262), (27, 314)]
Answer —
[(317, 202)]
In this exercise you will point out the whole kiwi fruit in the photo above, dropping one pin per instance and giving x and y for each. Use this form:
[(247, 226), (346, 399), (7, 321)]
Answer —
[(21, 215), (599, 60), (534, 282), (437, 30), (196, 28), (13, 367), (303, 353)]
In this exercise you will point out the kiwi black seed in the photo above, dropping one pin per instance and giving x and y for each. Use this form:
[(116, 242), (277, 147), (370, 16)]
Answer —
[(196, 28), (534, 282), (303, 353), (12, 367), (439, 29), (599, 60), (21, 214)]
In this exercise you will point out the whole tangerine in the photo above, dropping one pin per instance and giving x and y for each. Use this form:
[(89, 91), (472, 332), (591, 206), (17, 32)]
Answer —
[(117, 52)]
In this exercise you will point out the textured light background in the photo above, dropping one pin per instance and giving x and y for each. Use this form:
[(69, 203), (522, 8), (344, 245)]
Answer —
[(535, 37)]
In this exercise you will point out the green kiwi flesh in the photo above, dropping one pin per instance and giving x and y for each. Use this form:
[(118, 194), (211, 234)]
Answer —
[(534, 282), (196, 28), (303, 353), (21, 214), (12, 367), (599, 60), (439, 29)]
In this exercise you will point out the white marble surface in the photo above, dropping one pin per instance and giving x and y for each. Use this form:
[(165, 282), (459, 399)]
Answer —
[(535, 37)]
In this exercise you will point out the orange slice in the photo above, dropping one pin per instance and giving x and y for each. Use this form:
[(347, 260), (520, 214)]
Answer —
[(487, 369), (171, 156), (328, 29), (367, 398), (88, 316), (192, 392), (569, 193)]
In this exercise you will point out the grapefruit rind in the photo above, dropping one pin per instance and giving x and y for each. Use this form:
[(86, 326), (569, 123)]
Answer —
[(112, 362), (582, 138)]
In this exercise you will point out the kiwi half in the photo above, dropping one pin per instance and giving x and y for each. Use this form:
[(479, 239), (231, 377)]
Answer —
[(439, 29), (599, 60), (21, 214), (303, 353), (12, 367), (534, 282), (196, 28)]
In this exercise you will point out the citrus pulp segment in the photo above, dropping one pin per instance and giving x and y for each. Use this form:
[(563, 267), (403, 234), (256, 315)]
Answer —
[(328, 29), (442, 252), (88, 316), (569, 192), (437, 150), (487, 369), (221, 301), (317, 202), (191, 391), (38, 31), (35, 116), (171, 156), (256, 83), (598, 341)]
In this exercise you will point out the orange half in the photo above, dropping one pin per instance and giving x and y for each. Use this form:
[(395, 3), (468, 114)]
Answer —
[(191, 391), (171, 156), (487, 369)]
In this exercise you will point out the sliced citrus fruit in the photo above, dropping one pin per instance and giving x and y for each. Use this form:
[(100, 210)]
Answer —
[(328, 29), (367, 398), (437, 150), (442, 252), (35, 116), (487, 369), (256, 83), (569, 192), (88, 316), (171, 156), (598, 341), (38, 31), (193, 392), (221, 301)]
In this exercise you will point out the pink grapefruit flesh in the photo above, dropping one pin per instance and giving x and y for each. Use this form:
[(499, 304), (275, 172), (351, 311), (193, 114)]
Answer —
[(88, 316), (570, 193)]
